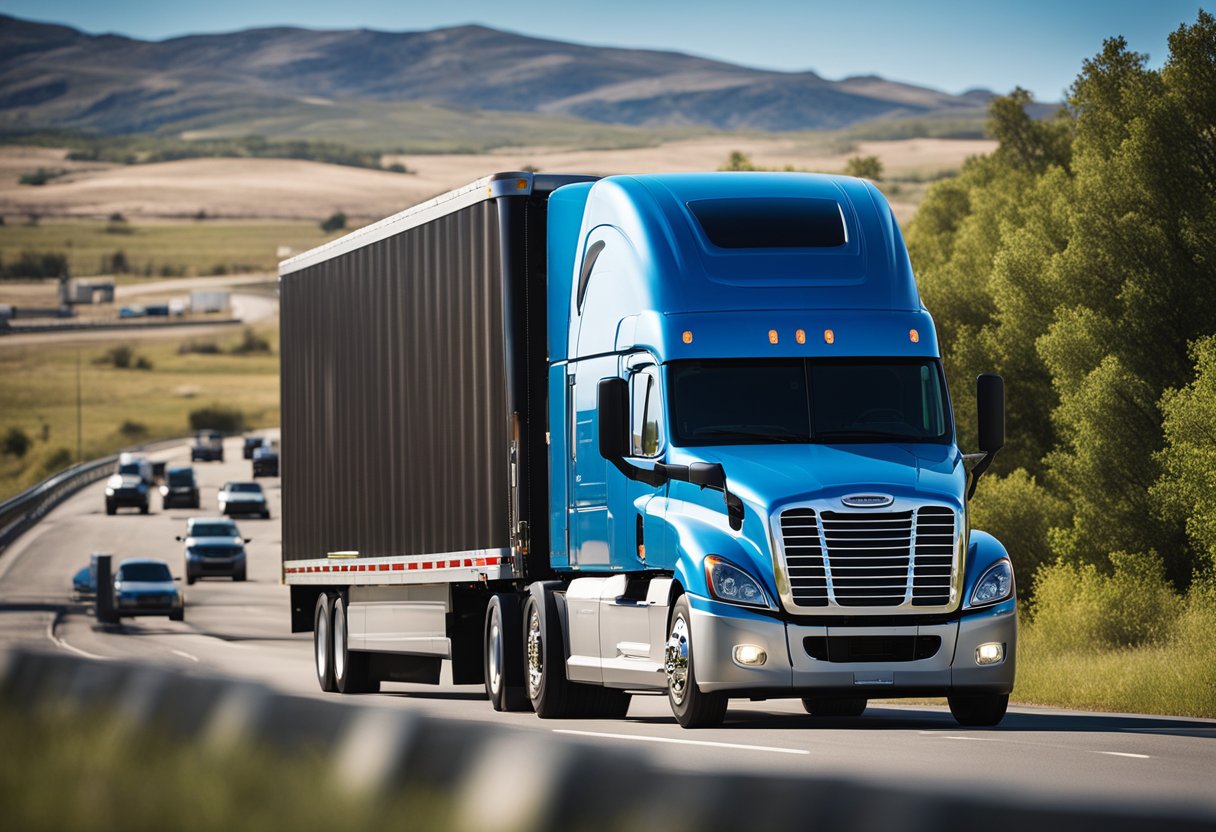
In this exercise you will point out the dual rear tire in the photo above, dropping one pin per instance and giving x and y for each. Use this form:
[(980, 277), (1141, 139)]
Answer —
[(338, 667)]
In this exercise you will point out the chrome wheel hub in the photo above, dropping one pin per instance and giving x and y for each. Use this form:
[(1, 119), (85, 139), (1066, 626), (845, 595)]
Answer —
[(676, 660), (535, 659)]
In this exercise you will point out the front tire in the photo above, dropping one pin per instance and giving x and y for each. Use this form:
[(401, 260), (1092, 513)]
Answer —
[(177, 615), (693, 708), (239, 575), (323, 643), (110, 509), (548, 689), (352, 668), (978, 710)]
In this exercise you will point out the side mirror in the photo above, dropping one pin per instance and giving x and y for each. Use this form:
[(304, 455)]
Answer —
[(990, 405), (248, 539), (179, 538), (177, 578), (707, 475), (612, 406)]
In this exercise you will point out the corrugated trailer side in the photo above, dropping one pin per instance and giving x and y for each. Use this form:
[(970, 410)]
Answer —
[(396, 433)]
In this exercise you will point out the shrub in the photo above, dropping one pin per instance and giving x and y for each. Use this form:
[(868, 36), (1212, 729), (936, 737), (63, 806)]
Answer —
[(864, 167), (115, 263), (120, 356), (1076, 607), (198, 347), (737, 161), (334, 222), (16, 442), (143, 363), (40, 176), (54, 462), (36, 264), (1018, 512), (218, 417), (251, 343), (133, 430)]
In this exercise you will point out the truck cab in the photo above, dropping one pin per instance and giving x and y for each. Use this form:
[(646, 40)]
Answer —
[(750, 430)]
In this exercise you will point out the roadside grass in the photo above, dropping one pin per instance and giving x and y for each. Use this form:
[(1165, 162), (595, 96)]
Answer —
[(38, 395), (162, 248), (70, 770), (1174, 677)]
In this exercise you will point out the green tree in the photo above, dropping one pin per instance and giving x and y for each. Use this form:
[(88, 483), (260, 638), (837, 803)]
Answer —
[(1188, 461), (864, 167), (334, 222), (737, 161)]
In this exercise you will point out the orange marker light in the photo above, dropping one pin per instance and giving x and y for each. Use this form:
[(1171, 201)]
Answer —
[(913, 336), (829, 337), (688, 336), (521, 184), (800, 336), (772, 336)]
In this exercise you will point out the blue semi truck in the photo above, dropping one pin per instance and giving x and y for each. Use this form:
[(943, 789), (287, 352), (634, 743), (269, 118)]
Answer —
[(583, 438)]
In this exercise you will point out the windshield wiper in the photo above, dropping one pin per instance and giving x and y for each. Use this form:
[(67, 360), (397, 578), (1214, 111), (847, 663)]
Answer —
[(864, 434), (753, 434)]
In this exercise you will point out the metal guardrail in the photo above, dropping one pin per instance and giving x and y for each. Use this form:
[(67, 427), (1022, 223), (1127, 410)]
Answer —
[(493, 778), (19, 514)]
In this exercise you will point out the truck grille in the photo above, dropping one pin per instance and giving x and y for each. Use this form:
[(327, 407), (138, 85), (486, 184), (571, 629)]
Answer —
[(869, 558)]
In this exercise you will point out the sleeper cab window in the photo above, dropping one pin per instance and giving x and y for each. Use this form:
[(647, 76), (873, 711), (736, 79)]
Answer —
[(646, 420)]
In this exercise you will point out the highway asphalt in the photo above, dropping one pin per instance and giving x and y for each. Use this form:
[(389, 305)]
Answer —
[(242, 630)]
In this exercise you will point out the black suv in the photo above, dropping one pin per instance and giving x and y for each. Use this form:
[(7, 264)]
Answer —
[(179, 489)]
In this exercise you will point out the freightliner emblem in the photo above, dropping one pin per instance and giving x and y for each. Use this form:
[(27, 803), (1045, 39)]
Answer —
[(867, 500)]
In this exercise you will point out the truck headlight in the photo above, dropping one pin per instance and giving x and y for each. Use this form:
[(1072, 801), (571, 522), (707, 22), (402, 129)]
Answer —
[(995, 585), (731, 584), (109, 491)]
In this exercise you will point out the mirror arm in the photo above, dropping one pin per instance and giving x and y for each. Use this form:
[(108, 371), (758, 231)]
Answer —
[(977, 472)]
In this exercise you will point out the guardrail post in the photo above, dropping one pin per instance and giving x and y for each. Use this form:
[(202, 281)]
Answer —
[(106, 614)]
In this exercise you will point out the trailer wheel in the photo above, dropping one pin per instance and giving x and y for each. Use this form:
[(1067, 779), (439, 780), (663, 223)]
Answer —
[(503, 655), (835, 705), (693, 708), (323, 642), (979, 710), (352, 668)]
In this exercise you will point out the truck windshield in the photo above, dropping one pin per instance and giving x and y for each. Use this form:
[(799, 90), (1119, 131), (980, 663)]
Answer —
[(131, 469), (812, 400), (150, 572)]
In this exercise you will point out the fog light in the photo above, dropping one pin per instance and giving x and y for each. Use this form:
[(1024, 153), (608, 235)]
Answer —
[(750, 654), (991, 653)]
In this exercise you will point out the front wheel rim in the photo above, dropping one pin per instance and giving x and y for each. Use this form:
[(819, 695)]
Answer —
[(676, 662)]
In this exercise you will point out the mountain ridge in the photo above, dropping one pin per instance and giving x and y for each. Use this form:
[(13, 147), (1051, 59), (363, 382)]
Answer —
[(54, 76)]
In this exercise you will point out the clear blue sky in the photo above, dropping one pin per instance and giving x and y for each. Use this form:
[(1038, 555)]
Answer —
[(951, 45)]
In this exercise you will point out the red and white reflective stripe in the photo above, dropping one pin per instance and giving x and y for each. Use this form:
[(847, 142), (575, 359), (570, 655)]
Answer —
[(399, 566)]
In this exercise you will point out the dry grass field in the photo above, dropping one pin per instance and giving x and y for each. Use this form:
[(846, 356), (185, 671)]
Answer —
[(283, 189)]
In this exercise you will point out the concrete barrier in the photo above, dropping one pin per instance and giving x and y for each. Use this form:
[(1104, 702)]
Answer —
[(498, 779)]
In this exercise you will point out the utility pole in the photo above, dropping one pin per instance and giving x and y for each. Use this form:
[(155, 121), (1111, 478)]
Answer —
[(79, 442)]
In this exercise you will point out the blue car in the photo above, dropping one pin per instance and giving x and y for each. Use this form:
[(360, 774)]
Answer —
[(145, 586)]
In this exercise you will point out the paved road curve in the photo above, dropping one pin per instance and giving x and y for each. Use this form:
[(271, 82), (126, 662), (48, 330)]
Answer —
[(241, 630)]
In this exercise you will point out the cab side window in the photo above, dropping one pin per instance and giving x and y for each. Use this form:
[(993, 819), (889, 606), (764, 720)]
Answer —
[(646, 422)]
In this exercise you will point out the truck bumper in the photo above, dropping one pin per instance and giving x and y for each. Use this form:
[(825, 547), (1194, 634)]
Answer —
[(790, 669)]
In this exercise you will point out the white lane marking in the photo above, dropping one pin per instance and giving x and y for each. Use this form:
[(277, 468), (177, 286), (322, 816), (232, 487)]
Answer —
[(636, 738), (50, 633), (1124, 754), (1179, 730), (184, 655), (973, 739)]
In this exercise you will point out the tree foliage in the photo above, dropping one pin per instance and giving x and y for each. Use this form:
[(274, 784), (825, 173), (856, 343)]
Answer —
[(1079, 260)]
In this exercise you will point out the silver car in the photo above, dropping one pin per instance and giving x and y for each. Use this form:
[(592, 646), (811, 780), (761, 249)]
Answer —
[(145, 586), (243, 498)]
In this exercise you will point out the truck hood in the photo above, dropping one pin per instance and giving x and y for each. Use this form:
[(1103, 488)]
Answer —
[(769, 476), (123, 481), (137, 588)]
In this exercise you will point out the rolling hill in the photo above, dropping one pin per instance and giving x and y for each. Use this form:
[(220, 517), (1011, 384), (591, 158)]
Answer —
[(55, 77)]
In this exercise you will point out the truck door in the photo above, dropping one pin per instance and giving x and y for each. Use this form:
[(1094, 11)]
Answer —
[(590, 520)]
